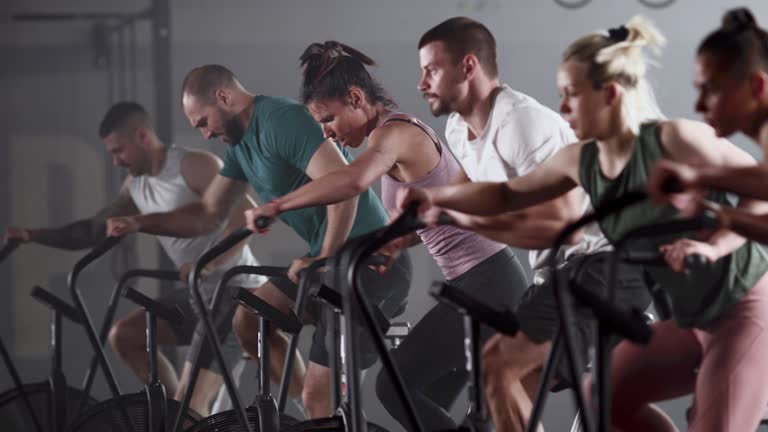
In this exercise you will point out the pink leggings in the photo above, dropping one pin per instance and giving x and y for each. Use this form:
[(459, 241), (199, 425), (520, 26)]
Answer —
[(730, 389)]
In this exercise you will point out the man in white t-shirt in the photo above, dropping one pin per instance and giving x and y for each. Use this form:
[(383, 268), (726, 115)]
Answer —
[(498, 133)]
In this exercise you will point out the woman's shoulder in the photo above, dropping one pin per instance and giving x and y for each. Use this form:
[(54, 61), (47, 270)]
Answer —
[(687, 140), (677, 129), (391, 129), (398, 127)]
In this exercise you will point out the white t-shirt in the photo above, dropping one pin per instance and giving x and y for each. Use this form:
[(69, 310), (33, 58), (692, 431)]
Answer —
[(520, 134)]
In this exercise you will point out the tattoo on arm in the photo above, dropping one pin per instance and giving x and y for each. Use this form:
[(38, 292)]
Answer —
[(84, 233)]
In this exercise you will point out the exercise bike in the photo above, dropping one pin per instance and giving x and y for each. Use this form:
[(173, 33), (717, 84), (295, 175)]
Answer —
[(135, 412), (263, 414), (52, 404)]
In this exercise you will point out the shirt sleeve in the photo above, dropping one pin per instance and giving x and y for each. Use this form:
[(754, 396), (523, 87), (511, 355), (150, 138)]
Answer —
[(293, 135), (529, 136), (231, 168)]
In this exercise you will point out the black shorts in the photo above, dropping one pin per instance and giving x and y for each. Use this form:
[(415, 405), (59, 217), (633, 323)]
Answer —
[(189, 333), (538, 313), (388, 291)]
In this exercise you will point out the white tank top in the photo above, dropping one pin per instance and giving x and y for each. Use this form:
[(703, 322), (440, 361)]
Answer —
[(168, 191)]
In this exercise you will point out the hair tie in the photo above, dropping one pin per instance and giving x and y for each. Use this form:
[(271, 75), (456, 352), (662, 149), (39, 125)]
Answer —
[(618, 34)]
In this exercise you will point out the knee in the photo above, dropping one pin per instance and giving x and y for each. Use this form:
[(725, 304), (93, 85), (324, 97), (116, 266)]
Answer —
[(313, 395), (495, 382), (245, 325), (497, 367), (513, 358), (501, 374), (124, 336)]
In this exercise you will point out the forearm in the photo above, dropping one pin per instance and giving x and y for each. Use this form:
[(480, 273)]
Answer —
[(479, 198), (192, 220), (225, 258), (749, 225), (332, 188), (341, 219), (726, 241), (749, 212), (519, 229), (81, 234), (745, 181), (411, 240), (536, 227), (235, 222)]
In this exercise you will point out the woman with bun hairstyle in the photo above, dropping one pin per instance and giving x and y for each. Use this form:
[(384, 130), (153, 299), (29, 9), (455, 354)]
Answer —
[(732, 78), (402, 151), (716, 344)]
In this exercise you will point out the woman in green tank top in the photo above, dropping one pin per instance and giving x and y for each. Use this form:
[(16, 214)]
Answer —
[(719, 311), (732, 77)]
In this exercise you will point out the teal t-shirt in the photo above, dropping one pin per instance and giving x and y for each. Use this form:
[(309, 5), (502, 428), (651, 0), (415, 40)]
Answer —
[(272, 157)]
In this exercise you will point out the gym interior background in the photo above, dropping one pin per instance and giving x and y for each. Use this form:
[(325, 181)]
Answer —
[(64, 62)]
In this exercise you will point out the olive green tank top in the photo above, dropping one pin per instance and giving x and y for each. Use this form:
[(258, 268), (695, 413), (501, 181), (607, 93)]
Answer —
[(698, 297)]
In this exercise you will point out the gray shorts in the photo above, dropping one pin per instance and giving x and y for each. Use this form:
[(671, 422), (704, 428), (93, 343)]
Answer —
[(388, 291), (538, 313), (434, 349), (499, 281), (189, 333)]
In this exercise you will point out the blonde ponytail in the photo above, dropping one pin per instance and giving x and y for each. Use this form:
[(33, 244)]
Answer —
[(619, 55)]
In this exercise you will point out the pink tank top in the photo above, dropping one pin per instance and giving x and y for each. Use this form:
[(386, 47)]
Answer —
[(455, 250)]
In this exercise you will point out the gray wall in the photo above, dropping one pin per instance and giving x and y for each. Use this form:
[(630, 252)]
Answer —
[(52, 168)]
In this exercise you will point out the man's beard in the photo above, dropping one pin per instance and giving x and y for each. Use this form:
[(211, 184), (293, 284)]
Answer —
[(233, 130), (442, 108), (138, 169)]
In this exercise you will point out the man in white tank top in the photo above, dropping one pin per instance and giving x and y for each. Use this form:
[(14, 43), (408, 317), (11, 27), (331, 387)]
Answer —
[(497, 133), (161, 179)]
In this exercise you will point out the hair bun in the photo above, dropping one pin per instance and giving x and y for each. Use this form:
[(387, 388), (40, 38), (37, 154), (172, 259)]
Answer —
[(333, 48), (320, 58), (738, 20), (618, 34)]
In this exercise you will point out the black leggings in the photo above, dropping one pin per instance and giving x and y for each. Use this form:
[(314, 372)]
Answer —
[(431, 359)]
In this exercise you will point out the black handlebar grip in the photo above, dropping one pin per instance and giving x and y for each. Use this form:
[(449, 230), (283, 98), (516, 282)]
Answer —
[(695, 262), (672, 186), (444, 219), (377, 260), (263, 222)]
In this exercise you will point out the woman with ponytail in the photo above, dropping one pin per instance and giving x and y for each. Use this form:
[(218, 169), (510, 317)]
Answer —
[(732, 78), (402, 151), (719, 311)]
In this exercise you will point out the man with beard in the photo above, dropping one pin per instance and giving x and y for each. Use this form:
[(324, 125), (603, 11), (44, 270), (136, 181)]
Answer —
[(498, 133), (161, 178), (275, 146)]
